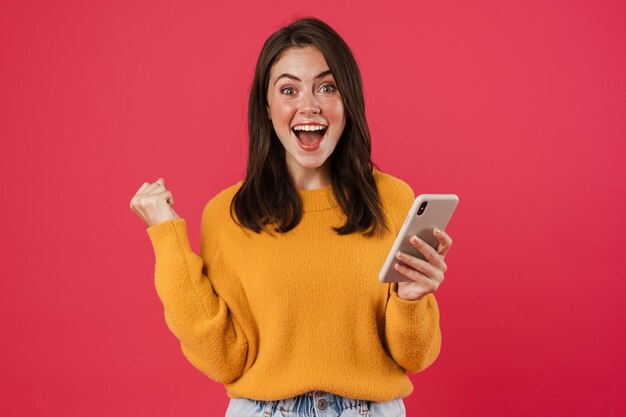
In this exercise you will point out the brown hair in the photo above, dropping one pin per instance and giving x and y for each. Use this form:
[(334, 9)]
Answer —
[(268, 194)]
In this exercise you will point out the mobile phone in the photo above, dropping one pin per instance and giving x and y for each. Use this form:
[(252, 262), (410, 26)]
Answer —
[(429, 211)]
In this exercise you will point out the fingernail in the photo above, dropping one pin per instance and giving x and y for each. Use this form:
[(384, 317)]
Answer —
[(437, 231), (414, 239)]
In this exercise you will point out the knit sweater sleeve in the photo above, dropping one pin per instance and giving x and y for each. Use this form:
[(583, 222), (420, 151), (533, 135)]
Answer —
[(412, 329), (209, 338)]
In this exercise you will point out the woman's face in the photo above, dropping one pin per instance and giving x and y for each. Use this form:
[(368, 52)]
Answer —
[(301, 92)]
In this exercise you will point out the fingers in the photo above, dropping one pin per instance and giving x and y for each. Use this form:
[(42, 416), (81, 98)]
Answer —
[(155, 187), (170, 198), (150, 189), (148, 202), (161, 183), (143, 187), (432, 269), (422, 267), (168, 195), (428, 284), (445, 241), (133, 202), (135, 198), (431, 255)]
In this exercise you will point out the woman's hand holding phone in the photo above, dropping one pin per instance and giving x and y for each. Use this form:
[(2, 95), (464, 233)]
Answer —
[(426, 276)]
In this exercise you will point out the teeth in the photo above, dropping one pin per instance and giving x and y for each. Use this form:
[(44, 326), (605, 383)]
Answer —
[(309, 128)]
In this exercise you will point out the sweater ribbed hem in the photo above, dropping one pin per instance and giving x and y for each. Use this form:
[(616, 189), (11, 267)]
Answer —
[(169, 236)]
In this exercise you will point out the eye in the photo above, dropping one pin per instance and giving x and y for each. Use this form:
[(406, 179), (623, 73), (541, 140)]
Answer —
[(333, 88), (287, 88)]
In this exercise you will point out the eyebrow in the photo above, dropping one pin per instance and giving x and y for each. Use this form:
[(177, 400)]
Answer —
[(320, 75)]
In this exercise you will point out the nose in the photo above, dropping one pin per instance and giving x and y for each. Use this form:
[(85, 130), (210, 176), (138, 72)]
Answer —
[(309, 103)]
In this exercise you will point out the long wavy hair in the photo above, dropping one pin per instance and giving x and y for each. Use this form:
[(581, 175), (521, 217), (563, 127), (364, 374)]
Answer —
[(268, 194)]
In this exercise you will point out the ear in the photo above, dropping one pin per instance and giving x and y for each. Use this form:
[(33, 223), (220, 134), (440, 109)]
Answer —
[(268, 112)]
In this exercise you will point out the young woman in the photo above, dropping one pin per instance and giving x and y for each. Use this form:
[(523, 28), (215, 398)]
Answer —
[(283, 305)]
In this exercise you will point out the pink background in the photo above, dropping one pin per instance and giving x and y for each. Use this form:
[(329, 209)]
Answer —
[(518, 107)]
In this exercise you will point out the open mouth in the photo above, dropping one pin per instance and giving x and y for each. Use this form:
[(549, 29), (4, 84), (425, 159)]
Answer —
[(310, 138)]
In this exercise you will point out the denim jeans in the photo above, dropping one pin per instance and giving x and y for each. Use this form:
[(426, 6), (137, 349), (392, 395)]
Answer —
[(315, 404)]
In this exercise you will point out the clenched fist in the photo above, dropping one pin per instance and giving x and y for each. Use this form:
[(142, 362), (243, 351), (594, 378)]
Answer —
[(153, 203)]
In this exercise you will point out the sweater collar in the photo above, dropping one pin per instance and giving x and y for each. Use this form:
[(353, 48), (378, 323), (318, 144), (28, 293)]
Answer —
[(318, 199), (323, 198)]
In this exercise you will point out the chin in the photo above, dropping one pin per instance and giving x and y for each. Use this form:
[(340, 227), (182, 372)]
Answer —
[(311, 165)]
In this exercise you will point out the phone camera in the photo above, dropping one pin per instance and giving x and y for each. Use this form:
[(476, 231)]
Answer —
[(422, 208)]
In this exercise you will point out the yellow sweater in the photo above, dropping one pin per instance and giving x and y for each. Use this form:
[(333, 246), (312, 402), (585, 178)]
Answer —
[(275, 317)]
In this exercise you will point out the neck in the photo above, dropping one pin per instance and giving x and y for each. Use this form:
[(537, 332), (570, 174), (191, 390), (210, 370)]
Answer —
[(310, 178)]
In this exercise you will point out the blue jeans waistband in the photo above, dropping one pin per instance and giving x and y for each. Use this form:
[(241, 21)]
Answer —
[(312, 404)]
